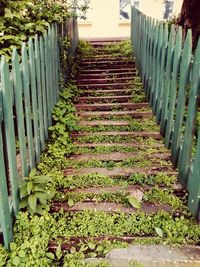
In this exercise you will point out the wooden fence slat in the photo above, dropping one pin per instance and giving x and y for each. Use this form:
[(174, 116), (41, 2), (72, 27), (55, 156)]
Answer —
[(171, 101), (19, 111), (185, 156), (170, 53), (6, 221), (158, 67), (194, 183), (162, 73), (151, 58), (43, 87), (48, 91), (34, 101), (154, 59), (27, 104), (184, 77), (10, 132), (39, 92)]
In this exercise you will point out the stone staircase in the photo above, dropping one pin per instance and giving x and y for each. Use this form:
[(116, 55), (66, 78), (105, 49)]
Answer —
[(118, 138)]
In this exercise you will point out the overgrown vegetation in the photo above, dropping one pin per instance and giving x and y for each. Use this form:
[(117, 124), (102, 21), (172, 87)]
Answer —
[(20, 20), (36, 228)]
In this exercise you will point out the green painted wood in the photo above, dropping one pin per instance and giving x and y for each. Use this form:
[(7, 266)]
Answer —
[(39, 92), (54, 64), (194, 183), (48, 78), (171, 101), (43, 87), (170, 53), (52, 99), (154, 63), (17, 78), (34, 103), (27, 104), (149, 58), (162, 73), (185, 156), (184, 79), (48, 93), (5, 219), (6, 88), (158, 66)]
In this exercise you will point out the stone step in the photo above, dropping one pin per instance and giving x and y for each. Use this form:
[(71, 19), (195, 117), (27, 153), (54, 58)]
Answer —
[(109, 207), (108, 70), (117, 156), (106, 93), (133, 145), (108, 62), (105, 114), (122, 172), (106, 99), (111, 106), (154, 256), (107, 66), (134, 190), (105, 75), (103, 123), (105, 86), (105, 58), (155, 135), (107, 80)]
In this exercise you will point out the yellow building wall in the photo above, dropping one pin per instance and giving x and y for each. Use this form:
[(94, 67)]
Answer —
[(103, 18)]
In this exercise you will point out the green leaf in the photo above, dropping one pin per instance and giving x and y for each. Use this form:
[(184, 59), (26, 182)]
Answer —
[(23, 191), (50, 255), (41, 179), (13, 246), (21, 254), (23, 203), (32, 201), (16, 261), (29, 187), (59, 252), (83, 248), (33, 173), (159, 232), (40, 210), (70, 202), (134, 202), (91, 245), (42, 197), (8, 13)]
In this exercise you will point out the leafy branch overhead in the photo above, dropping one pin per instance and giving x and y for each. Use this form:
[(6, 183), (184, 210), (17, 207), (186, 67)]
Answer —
[(20, 20)]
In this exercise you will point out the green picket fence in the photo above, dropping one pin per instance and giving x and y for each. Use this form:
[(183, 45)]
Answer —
[(29, 89), (171, 78)]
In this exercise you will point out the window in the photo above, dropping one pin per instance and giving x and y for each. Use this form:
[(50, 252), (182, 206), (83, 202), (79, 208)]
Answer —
[(125, 8), (168, 9)]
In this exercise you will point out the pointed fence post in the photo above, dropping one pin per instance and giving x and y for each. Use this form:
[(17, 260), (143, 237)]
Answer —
[(185, 156), (19, 111), (181, 100), (7, 101)]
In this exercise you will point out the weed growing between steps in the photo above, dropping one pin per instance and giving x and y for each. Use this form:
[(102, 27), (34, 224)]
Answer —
[(123, 149), (119, 139), (139, 161), (137, 125)]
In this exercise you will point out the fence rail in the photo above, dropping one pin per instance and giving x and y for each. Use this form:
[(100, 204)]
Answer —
[(29, 89), (171, 78)]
